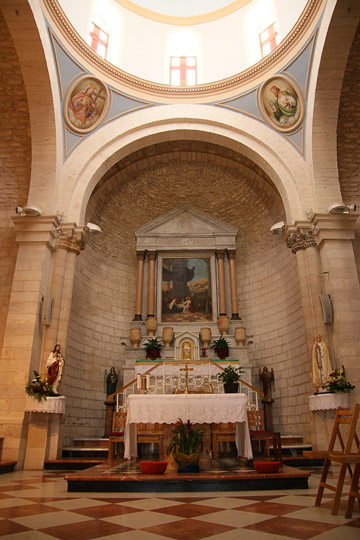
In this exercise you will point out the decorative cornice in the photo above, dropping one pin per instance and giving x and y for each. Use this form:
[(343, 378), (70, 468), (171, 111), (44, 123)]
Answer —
[(202, 90), (301, 239)]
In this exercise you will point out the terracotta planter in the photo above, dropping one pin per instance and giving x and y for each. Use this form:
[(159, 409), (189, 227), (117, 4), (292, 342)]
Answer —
[(240, 335), (205, 334), (222, 353), (135, 337), (223, 324), (153, 354), (151, 326), (167, 336), (231, 387), (187, 462)]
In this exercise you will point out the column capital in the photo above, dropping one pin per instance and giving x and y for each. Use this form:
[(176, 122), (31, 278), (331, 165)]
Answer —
[(140, 255), (220, 254), (71, 237), (300, 236), (231, 254), (152, 255)]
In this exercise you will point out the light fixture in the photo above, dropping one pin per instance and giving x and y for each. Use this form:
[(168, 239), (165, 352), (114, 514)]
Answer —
[(341, 208), (277, 227), (92, 228), (29, 211)]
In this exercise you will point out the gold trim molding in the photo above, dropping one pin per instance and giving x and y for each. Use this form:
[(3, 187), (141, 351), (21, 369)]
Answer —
[(230, 84), (183, 21)]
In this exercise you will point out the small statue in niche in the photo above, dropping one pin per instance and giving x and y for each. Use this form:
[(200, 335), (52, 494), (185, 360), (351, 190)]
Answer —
[(321, 365), (268, 378), (111, 381), (187, 351), (55, 364)]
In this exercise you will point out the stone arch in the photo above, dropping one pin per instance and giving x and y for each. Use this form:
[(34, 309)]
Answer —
[(192, 122), (342, 25), (31, 56)]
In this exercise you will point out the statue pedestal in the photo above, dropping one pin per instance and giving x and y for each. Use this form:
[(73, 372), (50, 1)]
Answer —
[(268, 414), (45, 430), (323, 409), (109, 404)]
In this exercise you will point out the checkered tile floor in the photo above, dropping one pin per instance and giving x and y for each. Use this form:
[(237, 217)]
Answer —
[(35, 505)]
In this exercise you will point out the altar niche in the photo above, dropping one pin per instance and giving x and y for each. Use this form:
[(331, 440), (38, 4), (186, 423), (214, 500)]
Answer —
[(186, 290)]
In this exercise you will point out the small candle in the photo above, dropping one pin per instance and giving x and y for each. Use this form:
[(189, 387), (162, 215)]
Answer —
[(138, 381), (147, 382)]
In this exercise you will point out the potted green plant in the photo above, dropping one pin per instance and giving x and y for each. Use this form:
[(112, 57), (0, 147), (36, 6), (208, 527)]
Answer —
[(221, 347), (230, 377), (186, 446), (153, 347)]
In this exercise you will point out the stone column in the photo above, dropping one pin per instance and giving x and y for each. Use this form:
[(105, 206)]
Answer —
[(334, 234), (302, 242), (21, 352), (151, 286), (69, 243), (221, 282), (233, 287), (139, 285)]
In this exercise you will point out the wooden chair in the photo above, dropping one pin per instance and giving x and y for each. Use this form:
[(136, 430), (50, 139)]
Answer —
[(151, 433), (222, 432), (117, 434), (259, 433), (345, 457)]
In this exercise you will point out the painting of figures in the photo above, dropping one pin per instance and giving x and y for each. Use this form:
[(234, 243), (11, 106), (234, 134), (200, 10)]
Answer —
[(186, 290)]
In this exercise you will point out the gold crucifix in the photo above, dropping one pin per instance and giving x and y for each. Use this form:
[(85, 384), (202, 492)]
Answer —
[(186, 369)]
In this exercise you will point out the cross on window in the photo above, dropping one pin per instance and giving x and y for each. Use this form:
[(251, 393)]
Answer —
[(98, 40), (268, 39), (183, 70)]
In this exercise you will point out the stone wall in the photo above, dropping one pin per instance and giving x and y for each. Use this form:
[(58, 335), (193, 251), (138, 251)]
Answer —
[(272, 310), (15, 154)]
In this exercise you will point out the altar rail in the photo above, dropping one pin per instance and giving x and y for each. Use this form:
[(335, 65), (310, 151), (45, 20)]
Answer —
[(165, 377)]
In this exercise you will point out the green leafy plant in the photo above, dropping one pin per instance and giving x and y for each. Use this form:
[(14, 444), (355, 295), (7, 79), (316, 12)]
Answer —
[(39, 388), (153, 347), (230, 374), (153, 343), (186, 440), (220, 343), (337, 382)]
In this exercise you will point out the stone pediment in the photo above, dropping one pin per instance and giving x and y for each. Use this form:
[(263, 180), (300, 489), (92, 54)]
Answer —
[(188, 228)]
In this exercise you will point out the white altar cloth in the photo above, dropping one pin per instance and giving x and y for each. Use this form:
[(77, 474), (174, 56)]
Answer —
[(52, 405), (198, 408)]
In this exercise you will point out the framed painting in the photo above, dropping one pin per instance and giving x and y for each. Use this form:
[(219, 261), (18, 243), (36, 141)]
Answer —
[(186, 290), (282, 103), (85, 104)]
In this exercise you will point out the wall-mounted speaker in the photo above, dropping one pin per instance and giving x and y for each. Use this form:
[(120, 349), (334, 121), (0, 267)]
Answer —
[(46, 310), (327, 308)]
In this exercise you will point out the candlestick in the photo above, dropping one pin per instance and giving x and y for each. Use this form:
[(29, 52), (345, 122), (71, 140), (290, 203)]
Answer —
[(138, 381), (147, 382)]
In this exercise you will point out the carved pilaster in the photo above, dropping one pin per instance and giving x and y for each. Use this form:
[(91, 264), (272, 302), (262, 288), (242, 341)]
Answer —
[(234, 304), (220, 255), (151, 289), (140, 256)]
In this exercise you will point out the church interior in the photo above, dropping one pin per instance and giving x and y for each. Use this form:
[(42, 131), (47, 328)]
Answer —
[(178, 174)]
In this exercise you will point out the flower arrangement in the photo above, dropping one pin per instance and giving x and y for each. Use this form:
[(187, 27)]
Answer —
[(39, 388), (337, 382), (186, 440)]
